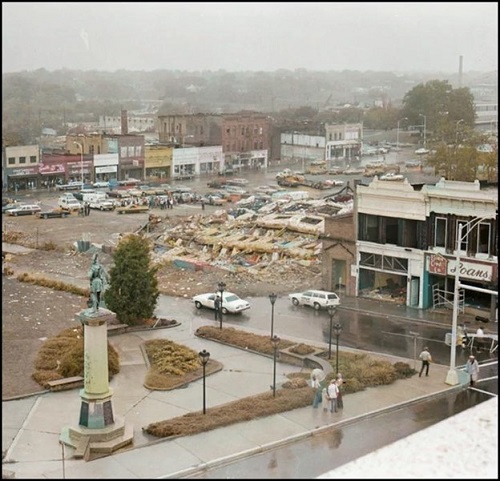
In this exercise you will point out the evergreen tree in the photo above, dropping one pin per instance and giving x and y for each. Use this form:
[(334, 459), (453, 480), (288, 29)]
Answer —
[(133, 289)]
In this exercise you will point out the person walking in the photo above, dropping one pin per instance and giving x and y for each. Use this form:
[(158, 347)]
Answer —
[(333, 391), (426, 358), (217, 307), (316, 383), (340, 401), (472, 368)]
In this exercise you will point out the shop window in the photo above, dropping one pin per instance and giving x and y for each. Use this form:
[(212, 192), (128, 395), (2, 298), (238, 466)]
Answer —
[(391, 231), (32, 159), (440, 230), (372, 228), (409, 231), (22, 160), (483, 238)]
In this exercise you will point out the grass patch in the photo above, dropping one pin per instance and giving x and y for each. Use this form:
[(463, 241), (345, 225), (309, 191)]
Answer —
[(245, 409), (62, 356), (173, 365), (246, 340), (302, 349), (52, 284)]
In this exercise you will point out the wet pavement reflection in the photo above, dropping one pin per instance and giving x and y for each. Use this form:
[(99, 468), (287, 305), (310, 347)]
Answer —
[(326, 451)]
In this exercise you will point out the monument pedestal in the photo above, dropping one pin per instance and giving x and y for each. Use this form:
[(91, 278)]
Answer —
[(98, 430)]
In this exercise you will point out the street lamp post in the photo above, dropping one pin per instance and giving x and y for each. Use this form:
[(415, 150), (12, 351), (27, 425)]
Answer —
[(81, 158), (275, 341), (272, 298), (397, 137), (331, 313), (452, 376), (425, 129), (338, 330), (222, 286), (204, 357)]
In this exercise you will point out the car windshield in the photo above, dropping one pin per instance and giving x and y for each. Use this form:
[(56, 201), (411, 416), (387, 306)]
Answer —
[(231, 298)]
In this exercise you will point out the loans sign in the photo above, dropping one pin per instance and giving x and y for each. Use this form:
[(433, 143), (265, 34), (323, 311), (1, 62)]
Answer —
[(441, 265)]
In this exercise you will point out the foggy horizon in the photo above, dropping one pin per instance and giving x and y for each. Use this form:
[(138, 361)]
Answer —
[(396, 37)]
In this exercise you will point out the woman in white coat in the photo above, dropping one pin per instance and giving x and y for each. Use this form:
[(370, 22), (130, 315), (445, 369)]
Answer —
[(472, 368)]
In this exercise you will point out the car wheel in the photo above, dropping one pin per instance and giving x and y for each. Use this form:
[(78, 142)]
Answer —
[(316, 306), (198, 304), (102, 208), (224, 310), (295, 301)]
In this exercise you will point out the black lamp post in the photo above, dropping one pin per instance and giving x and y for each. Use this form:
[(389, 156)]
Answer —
[(222, 286), (272, 298), (338, 330), (275, 341), (331, 313), (204, 357)]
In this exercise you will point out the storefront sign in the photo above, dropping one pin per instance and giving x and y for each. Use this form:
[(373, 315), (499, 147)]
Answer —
[(101, 160), (47, 169), (471, 270), (106, 170), (23, 172), (437, 264), (476, 271)]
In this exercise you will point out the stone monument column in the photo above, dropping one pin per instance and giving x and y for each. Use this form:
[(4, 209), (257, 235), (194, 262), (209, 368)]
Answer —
[(96, 410), (98, 430)]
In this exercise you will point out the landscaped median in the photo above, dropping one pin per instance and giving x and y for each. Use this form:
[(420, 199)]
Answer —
[(359, 371)]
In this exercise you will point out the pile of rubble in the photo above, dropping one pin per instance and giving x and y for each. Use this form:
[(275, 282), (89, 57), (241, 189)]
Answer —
[(268, 246)]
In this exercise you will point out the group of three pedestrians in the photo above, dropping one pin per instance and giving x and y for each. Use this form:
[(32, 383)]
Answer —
[(330, 397)]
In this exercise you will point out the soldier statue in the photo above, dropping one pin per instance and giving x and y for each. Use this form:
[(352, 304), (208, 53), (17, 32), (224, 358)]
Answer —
[(98, 282)]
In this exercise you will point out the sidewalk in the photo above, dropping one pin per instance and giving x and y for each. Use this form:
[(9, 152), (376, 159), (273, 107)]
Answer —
[(31, 426)]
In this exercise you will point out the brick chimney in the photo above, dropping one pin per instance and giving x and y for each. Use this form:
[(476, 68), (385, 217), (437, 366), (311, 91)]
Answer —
[(124, 122)]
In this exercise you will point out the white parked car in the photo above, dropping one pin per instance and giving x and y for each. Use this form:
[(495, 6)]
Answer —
[(69, 203), (314, 298), (421, 151), (24, 209), (100, 183), (102, 204), (231, 303)]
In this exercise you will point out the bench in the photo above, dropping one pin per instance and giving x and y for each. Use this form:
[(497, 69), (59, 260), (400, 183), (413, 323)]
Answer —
[(65, 383)]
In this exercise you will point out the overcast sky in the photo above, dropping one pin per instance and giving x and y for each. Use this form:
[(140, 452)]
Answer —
[(379, 36)]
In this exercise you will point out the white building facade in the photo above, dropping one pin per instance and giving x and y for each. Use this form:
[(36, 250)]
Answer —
[(343, 142), (302, 146), (195, 161), (406, 241)]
